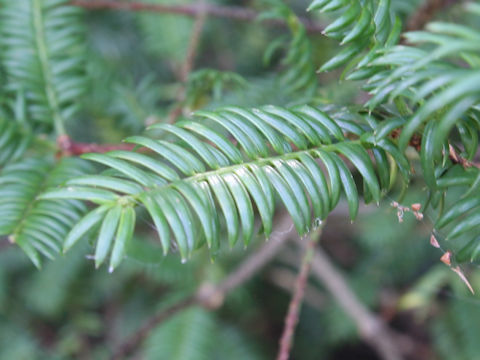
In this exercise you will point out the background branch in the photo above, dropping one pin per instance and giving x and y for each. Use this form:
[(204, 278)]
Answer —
[(226, 12), (285, 279), (291, 319), (187, 65), (194, 42), (211, 296), (371, 328), (133, 342)]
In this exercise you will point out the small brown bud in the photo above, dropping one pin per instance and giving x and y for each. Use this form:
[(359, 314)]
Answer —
[(416, 207), (446, 258), (434, 242), (418, 215)]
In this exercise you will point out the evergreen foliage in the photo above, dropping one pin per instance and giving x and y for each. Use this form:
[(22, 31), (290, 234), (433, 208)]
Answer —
[(43, 57)]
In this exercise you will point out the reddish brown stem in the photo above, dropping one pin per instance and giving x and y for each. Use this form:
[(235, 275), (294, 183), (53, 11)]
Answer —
[(291, 319), (194, 42), (68, 147), (189, 62), (456, 158), (133, 342), (227, 12)]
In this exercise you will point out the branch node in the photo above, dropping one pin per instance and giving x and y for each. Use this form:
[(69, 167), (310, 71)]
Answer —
[(210, 297)]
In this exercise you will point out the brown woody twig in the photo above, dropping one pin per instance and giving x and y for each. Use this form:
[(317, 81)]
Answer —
[(291, 319), (285, 279), (458, 159), (194, 42), (132, 343), (227, 12), (189, 61), (371, 328)]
